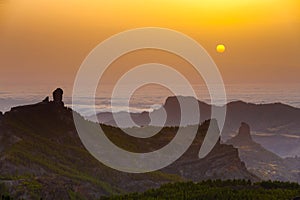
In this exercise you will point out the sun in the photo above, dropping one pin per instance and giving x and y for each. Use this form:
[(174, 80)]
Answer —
[(220, 48)]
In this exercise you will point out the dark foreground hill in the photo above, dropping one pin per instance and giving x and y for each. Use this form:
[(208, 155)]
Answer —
[(212, 190), (276, 126), (41, 155)]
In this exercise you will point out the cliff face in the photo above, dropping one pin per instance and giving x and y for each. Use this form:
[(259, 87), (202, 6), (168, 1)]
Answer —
[(222, 162), (41, 155)]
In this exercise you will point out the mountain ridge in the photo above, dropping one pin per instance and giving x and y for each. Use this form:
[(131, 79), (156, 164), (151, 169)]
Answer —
[(42, 156), (273, 118)]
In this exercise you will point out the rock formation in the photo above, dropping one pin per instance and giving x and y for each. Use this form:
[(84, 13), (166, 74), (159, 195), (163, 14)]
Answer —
[(46, 100), (244, 132), (261, 162), (58, 96), (243, 137)]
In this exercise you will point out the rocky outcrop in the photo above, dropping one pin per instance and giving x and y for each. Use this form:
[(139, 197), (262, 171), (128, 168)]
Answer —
[(243, 137), (57, 104), (260, 161), (46, 100), (58, 96), (244, 132)]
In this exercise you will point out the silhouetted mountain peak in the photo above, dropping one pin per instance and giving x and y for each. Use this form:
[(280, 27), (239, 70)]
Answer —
[(46, 103), (174, 100)]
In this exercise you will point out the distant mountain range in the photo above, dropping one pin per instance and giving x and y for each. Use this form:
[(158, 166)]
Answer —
[(41, 155), (275, 126)]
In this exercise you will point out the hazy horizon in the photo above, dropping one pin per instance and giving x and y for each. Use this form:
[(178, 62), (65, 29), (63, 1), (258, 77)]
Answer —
[(149, 97)]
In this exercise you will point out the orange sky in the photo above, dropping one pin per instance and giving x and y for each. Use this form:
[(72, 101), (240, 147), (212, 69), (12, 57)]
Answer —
[(46, 41)]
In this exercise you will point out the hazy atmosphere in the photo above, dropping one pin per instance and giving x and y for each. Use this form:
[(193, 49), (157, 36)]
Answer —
[(46, 41)]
